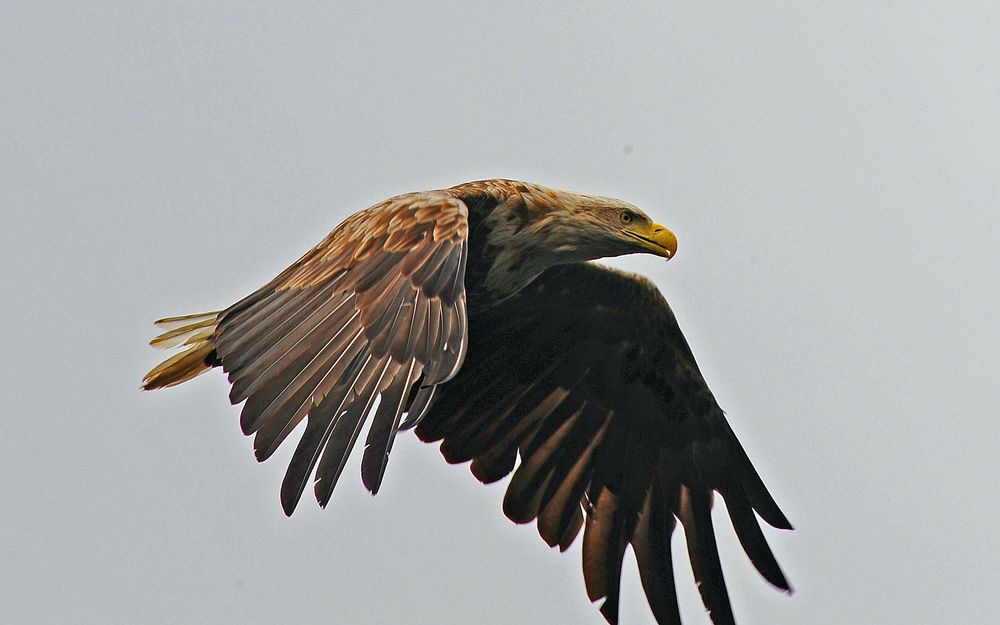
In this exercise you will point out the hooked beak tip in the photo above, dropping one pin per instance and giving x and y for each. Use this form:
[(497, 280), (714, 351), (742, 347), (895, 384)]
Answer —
[(665, 240)]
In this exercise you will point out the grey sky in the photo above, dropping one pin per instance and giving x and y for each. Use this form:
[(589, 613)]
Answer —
[(830, 169)]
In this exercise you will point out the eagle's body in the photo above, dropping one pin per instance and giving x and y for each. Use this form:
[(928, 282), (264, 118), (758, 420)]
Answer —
[(578, 370)]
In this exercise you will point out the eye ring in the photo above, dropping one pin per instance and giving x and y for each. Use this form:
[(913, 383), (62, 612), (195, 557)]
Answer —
[(626, 217)]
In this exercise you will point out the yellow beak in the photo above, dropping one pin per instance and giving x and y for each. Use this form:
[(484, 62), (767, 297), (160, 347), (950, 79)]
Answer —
[(656, 239)]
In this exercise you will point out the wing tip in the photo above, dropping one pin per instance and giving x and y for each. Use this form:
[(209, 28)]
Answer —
[(288, 505)]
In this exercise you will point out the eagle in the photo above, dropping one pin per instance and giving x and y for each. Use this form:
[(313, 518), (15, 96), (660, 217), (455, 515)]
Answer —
[(474, 315)]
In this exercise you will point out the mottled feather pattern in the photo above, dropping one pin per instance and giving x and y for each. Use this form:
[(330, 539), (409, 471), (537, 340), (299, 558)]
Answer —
[(375, 307), (395, 225)]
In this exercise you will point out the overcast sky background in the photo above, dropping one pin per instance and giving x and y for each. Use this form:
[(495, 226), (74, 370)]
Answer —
[(831, 171)]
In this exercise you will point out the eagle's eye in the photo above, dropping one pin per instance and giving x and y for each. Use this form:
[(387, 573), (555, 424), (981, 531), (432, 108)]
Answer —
[(626, 217)]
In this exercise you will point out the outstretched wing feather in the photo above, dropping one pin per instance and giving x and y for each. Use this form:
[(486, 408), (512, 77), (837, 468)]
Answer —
[(586, 377), (364, 314)]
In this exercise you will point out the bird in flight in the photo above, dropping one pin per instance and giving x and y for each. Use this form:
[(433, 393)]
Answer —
[(472, 314)]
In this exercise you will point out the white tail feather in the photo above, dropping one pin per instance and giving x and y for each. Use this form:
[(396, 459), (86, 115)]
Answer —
[(185, 330), (194, 331)]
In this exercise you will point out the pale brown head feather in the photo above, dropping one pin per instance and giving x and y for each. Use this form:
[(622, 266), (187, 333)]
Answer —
[(533, 228)]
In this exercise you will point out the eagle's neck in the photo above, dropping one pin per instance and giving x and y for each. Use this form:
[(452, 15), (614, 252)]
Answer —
[(516, 253), (506, 242)]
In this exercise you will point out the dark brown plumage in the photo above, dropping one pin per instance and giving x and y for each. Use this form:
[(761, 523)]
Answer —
[(579, 371)]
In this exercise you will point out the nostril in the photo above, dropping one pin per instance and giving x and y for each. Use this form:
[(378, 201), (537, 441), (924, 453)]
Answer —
[(657, 230)]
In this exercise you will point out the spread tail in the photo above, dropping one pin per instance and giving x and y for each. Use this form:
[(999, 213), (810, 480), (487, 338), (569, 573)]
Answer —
[(193, 331)]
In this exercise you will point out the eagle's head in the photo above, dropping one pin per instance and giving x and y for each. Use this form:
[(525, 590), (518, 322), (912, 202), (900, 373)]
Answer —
[(533, 228), (583, 227)]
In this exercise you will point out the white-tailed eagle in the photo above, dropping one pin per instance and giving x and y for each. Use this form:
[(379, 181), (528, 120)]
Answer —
[(472, 314)]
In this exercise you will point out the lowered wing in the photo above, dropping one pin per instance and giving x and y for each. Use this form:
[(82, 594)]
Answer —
[(586, 378)]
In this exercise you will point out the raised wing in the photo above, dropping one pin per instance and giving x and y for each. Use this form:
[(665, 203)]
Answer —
[(586, 377), (376, 309)]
